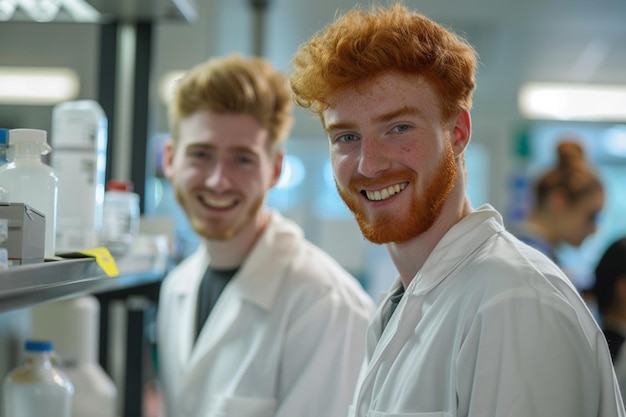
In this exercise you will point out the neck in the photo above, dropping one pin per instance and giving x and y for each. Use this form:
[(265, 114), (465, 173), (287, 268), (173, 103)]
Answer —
[(231, 253), (410, 256)]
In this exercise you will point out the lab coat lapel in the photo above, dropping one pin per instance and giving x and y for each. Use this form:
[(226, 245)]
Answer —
[(224, 313), (386, 343), (262, 274), (183, 314), (258, 281), (184, 327)]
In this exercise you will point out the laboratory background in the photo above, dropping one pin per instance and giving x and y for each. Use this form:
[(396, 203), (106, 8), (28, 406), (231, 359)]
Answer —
[(549, 70)]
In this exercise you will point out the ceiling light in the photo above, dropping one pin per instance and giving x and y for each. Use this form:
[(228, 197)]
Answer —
[(43, 86), (581, 102), (48, 11), (80, 10), (40, 10)]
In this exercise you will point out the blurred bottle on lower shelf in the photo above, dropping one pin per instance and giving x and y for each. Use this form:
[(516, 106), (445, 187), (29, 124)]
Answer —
[(73, 326), (38, 388)]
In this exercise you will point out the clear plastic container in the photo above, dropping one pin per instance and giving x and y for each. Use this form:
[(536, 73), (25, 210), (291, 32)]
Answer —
[(37, 388), (79, 137), (121, 217), (30, 181)]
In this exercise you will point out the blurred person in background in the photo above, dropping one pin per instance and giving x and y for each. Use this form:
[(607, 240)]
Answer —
[(258, 321), (477, 322), (609, 292), (566, 202)]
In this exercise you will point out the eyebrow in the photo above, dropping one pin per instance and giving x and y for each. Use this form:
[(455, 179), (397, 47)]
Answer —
[(385, 117), (404, 111), (233, 149)]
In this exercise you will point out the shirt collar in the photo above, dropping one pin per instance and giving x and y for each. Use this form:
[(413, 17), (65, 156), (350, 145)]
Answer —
[(456, 245)]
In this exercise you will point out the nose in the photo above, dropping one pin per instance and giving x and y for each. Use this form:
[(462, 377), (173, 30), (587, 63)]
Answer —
[(373, 158), (217, 177)]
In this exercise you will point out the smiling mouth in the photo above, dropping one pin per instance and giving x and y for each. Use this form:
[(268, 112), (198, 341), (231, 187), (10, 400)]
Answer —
[(218, 203), (385, 193)]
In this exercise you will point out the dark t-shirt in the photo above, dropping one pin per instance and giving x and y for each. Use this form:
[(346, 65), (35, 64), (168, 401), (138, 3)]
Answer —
[(394, 300), (212, 285)]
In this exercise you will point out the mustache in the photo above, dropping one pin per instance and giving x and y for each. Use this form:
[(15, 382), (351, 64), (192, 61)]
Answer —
[(360, 182)]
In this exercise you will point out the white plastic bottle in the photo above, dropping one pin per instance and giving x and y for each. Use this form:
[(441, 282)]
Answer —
[(79, 137), (37, 388), (30, 181), (73, 326), (121, 217)]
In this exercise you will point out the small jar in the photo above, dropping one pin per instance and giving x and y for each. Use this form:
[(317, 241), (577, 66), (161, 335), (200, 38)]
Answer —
[(120, 217)]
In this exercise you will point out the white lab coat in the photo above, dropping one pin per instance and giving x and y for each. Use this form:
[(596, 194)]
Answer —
[(488, 327), (620, 370), (286, 338)]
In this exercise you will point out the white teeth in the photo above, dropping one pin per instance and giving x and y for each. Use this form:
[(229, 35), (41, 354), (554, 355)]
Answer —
[(217, 203), (385, 193)]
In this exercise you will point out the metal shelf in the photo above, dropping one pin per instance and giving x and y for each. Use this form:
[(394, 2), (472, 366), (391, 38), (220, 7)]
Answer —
[(26, 285)]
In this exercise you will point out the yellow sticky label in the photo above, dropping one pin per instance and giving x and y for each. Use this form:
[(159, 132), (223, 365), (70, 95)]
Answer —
[(104, 259)]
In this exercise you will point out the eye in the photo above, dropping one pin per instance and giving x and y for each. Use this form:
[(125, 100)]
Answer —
[(400, 128), (244, 158), (198, 153), (348, 137)]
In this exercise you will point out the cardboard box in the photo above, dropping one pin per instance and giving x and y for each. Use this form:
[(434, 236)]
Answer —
[(27, 233)]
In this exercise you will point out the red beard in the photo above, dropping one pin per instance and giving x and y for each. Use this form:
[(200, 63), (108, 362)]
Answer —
[(392, 225)]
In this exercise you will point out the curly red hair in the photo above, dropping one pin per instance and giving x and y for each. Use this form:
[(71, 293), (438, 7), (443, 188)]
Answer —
[(360, 45)]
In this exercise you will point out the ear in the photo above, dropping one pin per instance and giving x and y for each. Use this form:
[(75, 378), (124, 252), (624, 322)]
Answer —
[(278, 166), (557, 200), (461, 128), (167, 158)]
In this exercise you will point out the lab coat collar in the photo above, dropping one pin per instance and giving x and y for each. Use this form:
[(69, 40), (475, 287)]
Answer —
[(457, 244), (259, 278), (445, 257), (258, 281)]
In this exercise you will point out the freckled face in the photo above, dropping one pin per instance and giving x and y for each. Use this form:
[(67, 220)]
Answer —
[(221, 169), (392, 156)]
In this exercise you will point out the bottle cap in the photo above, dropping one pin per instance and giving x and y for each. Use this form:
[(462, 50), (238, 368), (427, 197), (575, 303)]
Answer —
[(38, 345), (31, 135), (119, 185), (4, 137)]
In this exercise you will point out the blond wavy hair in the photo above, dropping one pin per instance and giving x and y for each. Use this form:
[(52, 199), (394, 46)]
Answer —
[(236, 84)]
